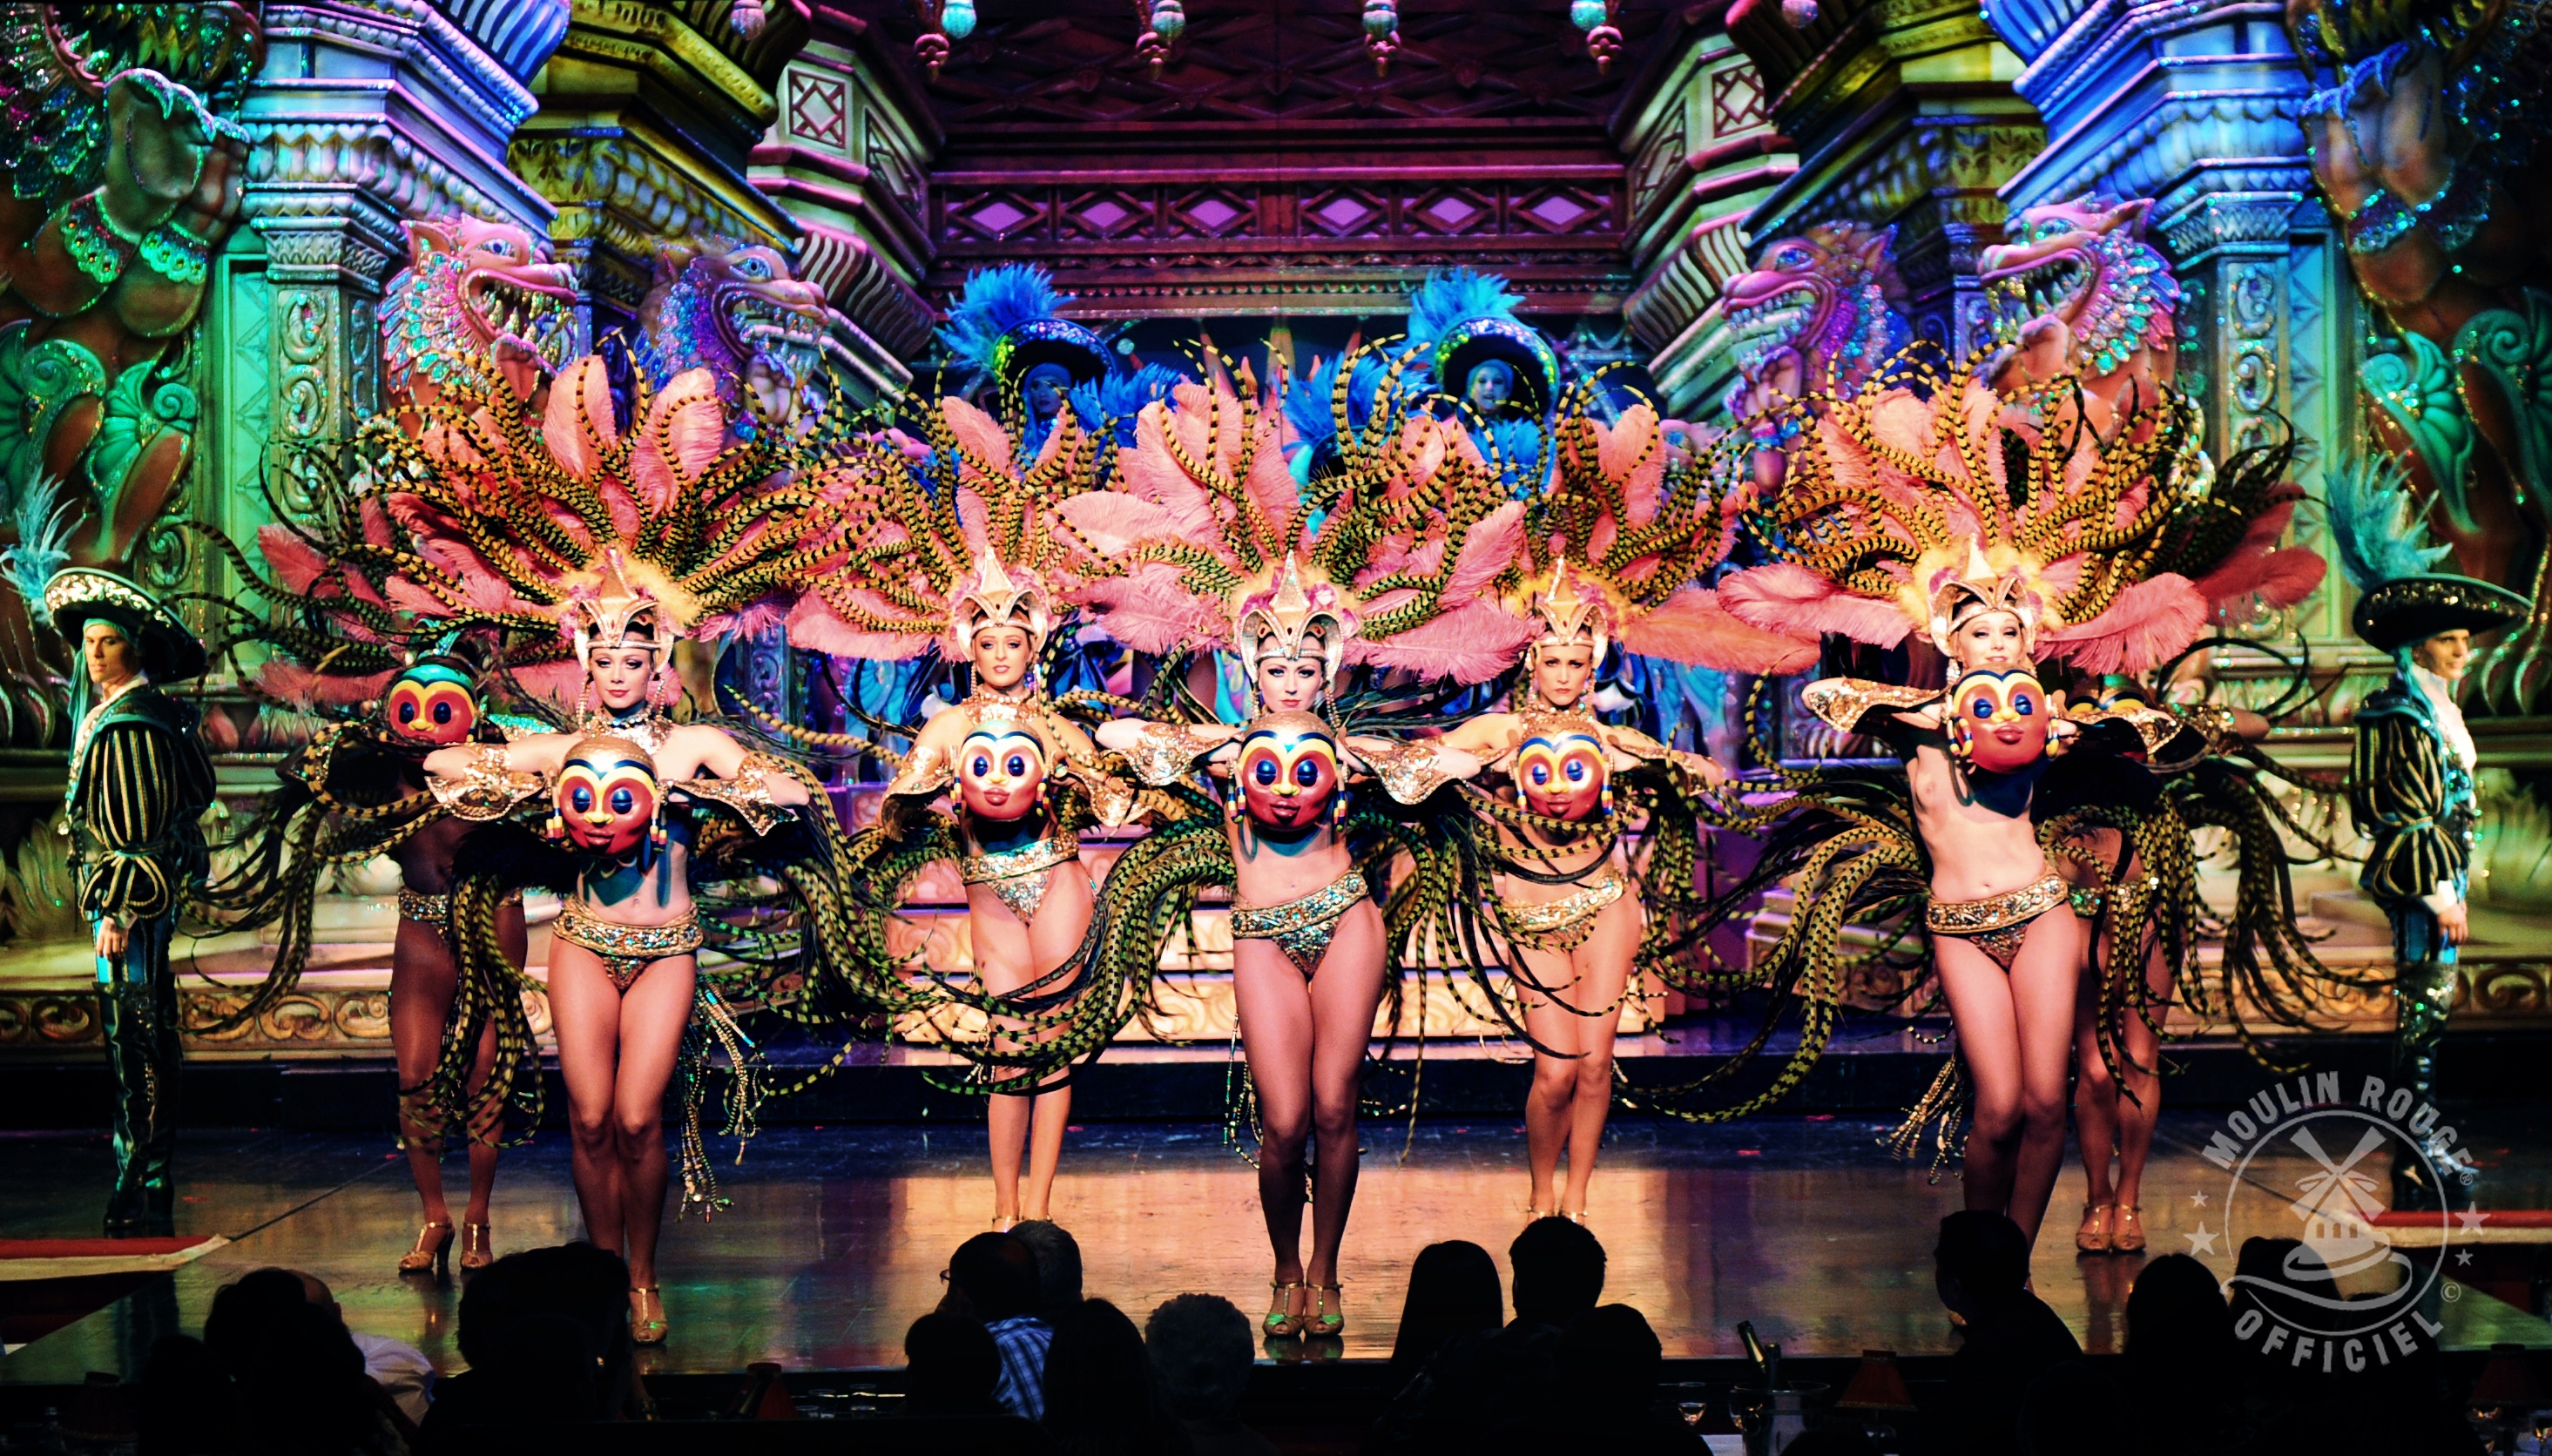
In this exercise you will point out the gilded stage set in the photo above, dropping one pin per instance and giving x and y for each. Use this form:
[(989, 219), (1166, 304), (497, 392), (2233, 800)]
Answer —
[(1880, 667)]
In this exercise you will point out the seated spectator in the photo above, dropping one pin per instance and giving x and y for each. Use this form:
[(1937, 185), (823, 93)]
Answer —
[(1058, 1261), (994, 1277), (1981, 1269), (1479, 1385), (401, 1368), (950, 1367), (545, 1335), (2072, 1410), (187, 1406), (1608, 1364), (300, 1382), (2179, 1357), (1100, 1395), (1453, 1291), (1201, 1351)]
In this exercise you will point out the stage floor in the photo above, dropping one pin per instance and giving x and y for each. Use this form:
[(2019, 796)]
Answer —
[(837, 1236)]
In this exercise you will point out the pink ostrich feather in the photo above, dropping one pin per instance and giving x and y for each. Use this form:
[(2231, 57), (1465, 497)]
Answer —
[(2259, 570), (974, 521), (1472, 643), (579, 399), (1148, 610), (684, 430), (978, 434), (2144, 627), (1494, 543), (293, 560), (560, 681), (1692, 626), (1113, 521), (1148, 472), (1787, 599), (1270, 484), (1631, 453), (812, 626)]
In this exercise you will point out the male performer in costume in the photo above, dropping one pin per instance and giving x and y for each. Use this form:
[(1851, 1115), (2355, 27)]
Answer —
[(2410, 785), (138, 783)]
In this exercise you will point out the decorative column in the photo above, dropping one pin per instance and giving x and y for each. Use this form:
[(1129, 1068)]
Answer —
[(648, 114), (1703, 153), (2195, 106), (1904, 117), (849, 157), (368, 112)]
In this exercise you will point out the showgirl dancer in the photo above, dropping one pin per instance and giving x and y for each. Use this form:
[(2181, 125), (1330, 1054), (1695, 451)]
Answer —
[(953, 552), (1996, 531), (1570, 904), (621, 544), (1206, 542)]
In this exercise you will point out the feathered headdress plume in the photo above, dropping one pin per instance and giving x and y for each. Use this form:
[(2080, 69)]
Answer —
[(2375, 527), (1454, 296), (1912, 510), (997, 300)]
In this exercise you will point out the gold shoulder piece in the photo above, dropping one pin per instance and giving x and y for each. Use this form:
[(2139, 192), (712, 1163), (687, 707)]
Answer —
[(1112, 801), (1164, 752), (1408, 771), (1845, 701), (748, 794), (2152, 726), (924, 772), (485, 789)]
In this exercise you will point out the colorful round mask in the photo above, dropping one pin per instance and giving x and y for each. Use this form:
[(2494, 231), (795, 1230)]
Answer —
[(431, 705), (1998, 720), (1288, 771), (1560, 774), (604, 800), (1000, 769)]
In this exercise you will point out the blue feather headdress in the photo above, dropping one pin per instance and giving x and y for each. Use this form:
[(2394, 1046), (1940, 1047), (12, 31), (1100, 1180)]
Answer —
[(1116, 398), (996, 301), (1454, 296), (2374, 525)]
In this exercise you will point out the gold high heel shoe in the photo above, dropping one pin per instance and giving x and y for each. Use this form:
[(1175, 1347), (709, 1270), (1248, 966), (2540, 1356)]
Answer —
[(2129, 1236), (647, 1324), (478, 1247), (2093, 1238), (1281, 1322), (1322, 1322), (432, 1254)]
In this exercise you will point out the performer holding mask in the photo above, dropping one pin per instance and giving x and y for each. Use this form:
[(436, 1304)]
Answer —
[(138, 783)]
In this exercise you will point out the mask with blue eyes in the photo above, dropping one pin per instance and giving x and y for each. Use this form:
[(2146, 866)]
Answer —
[(1288, 771), (1999, 721), (1562, 775), (1000, 771), (605, 799)]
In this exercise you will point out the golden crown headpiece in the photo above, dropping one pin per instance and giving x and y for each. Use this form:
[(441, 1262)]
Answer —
[(1570, 606), (1275, 623), (2000, 580), (606, 611), (990, 596)]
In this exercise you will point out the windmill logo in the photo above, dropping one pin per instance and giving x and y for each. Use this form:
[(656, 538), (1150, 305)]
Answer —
[(2356, 1282)]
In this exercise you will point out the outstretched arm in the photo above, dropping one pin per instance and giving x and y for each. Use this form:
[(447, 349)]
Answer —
[(723, 758)]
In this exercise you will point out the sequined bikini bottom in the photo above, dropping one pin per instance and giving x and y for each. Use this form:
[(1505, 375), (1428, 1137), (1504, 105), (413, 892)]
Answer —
[(1019, 877), (1998, 923), (1564, 923), (435, 910), (627, 950), (1302, 927)]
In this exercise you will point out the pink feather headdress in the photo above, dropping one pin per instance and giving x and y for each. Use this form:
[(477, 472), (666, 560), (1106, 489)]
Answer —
[(1191, 545), (1914, 511)]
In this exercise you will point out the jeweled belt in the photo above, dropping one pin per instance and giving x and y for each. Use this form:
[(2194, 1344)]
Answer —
[(627, 950), (1997, 911), (1550, 920), (1018, 876), (1299, 927)]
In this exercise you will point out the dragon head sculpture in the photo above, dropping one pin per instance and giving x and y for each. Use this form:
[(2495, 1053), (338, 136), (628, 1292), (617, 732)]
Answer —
[(480, 302), (1820, 313), (2077, 290), (737, 310)]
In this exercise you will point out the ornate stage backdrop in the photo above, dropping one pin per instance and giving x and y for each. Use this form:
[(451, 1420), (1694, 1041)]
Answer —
[(1724, 199)]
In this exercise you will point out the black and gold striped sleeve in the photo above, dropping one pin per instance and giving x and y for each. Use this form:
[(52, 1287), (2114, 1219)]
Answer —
[(130, 790), (2397, 791)]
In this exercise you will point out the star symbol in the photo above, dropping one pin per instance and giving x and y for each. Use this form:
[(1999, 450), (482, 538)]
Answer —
[(2200, 1242), (2471, 1218), (2463, 1257), (2198, 1201)]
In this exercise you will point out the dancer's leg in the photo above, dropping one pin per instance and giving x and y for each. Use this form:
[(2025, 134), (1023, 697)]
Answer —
[(1603, 965), (511, 933), (2042, 977), (1548, 1106), (423, 975), (1061, 921), (1275, 1007), (2095, 1092), (1980, 1009), (653, 1016), (1345, 995), (584, 1011), (2138, 1113)]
